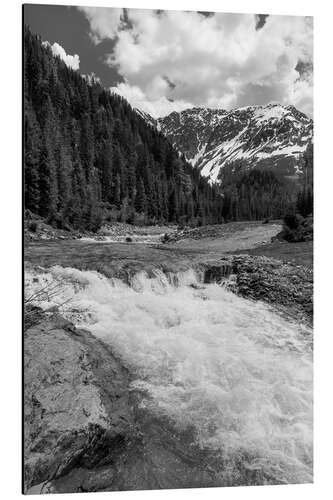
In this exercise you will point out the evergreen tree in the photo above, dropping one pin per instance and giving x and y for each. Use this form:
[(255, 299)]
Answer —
[(32, 144), (140, 200), (47, 167)]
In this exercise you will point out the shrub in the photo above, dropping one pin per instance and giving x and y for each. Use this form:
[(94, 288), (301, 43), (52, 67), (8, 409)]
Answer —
[(96, 221), (292, 221), (28, 215), (112, 214), (33, 226), (297, 228), (140, 219), (58, 221)]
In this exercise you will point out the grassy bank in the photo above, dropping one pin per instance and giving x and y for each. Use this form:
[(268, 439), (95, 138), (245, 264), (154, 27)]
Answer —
[(300, 254)]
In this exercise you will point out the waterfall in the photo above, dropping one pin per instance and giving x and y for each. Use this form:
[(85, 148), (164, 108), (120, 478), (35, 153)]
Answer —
[(232, 369)]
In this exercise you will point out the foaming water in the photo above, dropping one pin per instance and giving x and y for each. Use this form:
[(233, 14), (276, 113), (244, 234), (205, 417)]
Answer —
[(230, 368)]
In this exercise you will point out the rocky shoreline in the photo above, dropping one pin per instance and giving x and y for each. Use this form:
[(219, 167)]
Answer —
[(37, 229), (283, 285)]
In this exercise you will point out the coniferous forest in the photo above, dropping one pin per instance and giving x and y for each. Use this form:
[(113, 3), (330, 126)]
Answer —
[(252, 194), (90, 158)]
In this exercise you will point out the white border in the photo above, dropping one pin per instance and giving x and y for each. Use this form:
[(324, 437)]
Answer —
[(10, 259)]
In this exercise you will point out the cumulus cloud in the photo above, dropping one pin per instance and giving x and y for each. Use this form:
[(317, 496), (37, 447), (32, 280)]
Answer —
[(161, 106), (104, 22), (171, 59), (71, 61)]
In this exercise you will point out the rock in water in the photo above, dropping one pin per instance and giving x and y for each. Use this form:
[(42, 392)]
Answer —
[(77, 411), (85, 430)]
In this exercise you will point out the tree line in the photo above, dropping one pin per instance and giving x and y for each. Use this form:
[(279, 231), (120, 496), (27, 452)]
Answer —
[(257, 193), (89, 158), (304, 201)]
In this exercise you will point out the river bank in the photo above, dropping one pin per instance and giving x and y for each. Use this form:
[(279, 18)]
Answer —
[(153, 333), (37, 229)]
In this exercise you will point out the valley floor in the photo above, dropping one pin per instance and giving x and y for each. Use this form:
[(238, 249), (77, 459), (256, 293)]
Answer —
[(179, 246)]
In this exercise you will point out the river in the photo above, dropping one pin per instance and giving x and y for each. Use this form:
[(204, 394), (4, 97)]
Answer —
[(233, 371)]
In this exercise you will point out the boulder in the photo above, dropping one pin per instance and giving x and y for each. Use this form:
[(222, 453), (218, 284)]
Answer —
[(76, 402), (85, 429)]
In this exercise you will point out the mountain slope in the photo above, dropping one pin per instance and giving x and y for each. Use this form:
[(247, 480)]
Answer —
[(89, 158), (261, 136)]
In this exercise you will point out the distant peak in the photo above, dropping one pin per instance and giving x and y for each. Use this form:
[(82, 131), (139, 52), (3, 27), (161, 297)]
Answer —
[(273, 134), (201, 110)]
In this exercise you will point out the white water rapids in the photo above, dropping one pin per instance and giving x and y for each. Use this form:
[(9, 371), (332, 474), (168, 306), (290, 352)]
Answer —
[(230, 368)]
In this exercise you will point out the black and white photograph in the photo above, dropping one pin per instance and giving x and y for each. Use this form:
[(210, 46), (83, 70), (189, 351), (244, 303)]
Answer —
[(168, 249)]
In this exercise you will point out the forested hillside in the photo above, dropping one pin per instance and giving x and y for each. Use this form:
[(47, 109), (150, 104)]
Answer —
[(90, 158), (251, 194)]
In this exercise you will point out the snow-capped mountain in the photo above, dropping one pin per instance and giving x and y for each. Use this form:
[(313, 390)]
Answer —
[(273, 136)]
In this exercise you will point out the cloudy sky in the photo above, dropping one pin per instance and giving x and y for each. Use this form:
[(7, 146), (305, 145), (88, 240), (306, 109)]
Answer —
[(163, 61)]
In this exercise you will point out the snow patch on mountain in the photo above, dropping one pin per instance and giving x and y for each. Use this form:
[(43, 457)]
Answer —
[(272, 136), (263, 114)]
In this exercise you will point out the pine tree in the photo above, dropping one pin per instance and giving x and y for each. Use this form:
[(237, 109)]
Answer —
[(47, 165), (65, 169), (32, 144), (140, 200), (106, 173), (116, 195)]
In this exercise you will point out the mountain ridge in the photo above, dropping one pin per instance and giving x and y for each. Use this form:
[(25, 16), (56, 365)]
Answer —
[(273, 136)]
